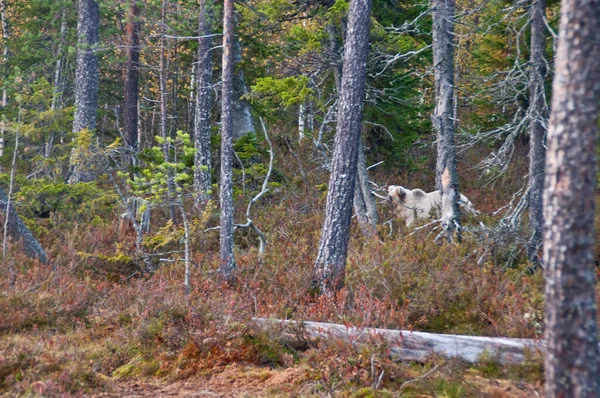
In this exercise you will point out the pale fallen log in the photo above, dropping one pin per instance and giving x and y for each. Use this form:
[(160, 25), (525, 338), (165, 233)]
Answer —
[(405, 345)]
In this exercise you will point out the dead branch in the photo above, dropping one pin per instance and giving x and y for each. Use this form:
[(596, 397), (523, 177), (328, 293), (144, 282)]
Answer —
[(249, 222)]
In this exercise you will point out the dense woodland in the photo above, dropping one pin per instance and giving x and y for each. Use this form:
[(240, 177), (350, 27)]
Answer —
[(174, 171)]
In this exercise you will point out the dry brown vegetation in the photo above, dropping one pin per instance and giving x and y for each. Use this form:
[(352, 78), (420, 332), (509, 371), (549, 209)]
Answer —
[(96, 324)]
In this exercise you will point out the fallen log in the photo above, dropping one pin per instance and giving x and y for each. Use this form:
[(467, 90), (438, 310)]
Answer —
[(406, 345)]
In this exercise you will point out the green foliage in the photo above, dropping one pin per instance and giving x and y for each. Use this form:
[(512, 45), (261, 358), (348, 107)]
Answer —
[(285, 92), (43, 198), (152, 180)]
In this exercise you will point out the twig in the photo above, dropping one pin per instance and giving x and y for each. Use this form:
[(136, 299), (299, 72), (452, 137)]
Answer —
[(423, 376)]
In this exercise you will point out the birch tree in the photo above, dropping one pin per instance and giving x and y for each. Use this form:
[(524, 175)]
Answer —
[(573, 358), (86, 78), (538, 114), (443, 123), (227, 264), (202, 173), (330, 265)]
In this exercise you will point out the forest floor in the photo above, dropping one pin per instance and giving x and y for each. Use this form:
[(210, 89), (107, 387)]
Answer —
[(95, 324), (255, 381)]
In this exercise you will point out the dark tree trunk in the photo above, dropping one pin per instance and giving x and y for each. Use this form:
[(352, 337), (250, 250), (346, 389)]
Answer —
[(86, 77), (573, 358), (131, 95), (86, 83), (443, 62), (365, 207), (330, 265), (202, 180), (227, 260), (20, 233), (538, 113)]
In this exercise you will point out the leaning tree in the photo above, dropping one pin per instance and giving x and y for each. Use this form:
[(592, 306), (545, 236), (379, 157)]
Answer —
[(573, 358), (330, 265)]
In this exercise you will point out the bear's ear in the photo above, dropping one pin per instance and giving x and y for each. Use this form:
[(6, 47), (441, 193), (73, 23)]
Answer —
[(401, 193), (398, 192)]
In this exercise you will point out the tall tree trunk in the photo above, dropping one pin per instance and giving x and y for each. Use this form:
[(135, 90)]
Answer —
[(163, 112), (365, 207), (202, 174), (573, 358), (443, 62), (242, 117), (5, 37), (538, 112), (227, 260), (86, 80), (330, 265), (131, 94)]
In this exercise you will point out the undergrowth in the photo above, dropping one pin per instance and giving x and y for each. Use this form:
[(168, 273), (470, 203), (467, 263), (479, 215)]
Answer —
[(95, 316)]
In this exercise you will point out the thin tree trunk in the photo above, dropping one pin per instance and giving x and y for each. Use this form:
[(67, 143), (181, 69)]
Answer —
[(58, 79), (163, 113), (227, 260), (538, 112), (573, 358), (443, 61), (57, 90), (365, 206), (301, 121), (5, 38), (330, 265), (86, 81), (202, 174), (131, 94), (334, 51)]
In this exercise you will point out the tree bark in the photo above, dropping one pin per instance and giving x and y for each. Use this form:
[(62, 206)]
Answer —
[(538, 112), (86, 77), (202, 174), (131, 94), (333, 247), (86, 82), (443, 62), (19, 232), (227, 260), (573, 358), (365, 207)]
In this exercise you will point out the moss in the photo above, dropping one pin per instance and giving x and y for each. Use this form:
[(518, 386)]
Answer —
[(369, 392), (124, 371)]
